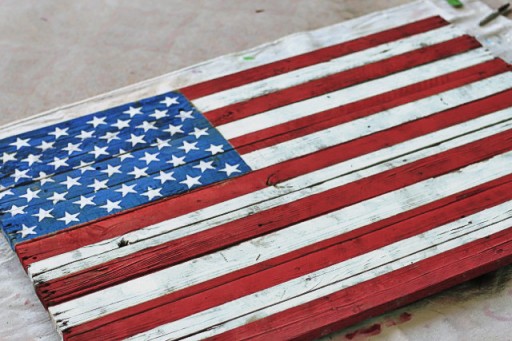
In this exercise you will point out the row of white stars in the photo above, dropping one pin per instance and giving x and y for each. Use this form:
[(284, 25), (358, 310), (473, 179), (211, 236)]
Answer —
[(163, 177), (147, 158), (109, 206), (109, 136), (120, 124)]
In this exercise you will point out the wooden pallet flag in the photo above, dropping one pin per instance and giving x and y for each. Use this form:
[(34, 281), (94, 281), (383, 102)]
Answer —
[(276, 202)]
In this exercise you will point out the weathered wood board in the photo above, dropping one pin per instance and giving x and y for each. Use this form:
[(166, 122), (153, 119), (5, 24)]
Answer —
[(279, 201)]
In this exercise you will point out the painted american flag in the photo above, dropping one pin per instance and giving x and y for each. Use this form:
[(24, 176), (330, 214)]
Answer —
[(281, 201)]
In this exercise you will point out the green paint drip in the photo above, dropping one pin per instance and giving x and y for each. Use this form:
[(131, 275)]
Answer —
[(455, 3), (248, 58)]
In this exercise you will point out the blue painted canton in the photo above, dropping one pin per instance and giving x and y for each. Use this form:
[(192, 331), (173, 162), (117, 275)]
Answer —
[(96, 165)]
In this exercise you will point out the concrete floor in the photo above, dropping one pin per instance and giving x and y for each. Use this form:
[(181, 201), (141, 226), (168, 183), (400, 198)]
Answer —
[(58, 52)]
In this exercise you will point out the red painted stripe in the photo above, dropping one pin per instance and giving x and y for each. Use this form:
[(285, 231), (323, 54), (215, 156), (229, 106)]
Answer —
[(341, 80), (116, 225), (311, 58), (377, 235), (165, 255), (330, 118), (396, 289)]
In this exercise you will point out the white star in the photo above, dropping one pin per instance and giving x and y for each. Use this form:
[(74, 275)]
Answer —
[(214, 149), (125, 189), (8, 157), (133, 111), (152, 193), (111, 170), (44, 178), (43, 214), (72, 148), (164, 177), (204, 165), (134, 139), (147, 126), (110, 206), (31, 159), (68, 217), (97, 185), (15, 210), (45, 145), (168, 101), (20, 174), (148, 158), (98, 151), (199, 132), (183, 115), (20, 143), (177, 161), (124, 155), (85, 134), (57, 163), (120, 124), (4, 192), (25, 230), (174, 129), (70, 182), (230, 169), (188, 146), (97, 121), (59, 132), (30, 195), (191, 181), (161, 143), (139, 172), (56, 197), (84, 201), (110, 136), (84, 167), (159, 114)]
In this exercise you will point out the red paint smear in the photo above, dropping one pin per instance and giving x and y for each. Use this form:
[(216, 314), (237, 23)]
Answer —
[(374, 329), (404, 317), (488, 312)]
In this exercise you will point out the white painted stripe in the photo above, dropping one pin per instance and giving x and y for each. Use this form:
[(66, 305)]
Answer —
[(367, 125), (352, 94), (151, 286), (335, 278), (289, 191), (303, 75)]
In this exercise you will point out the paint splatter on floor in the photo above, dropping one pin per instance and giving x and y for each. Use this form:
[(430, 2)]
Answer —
[(374, 329)]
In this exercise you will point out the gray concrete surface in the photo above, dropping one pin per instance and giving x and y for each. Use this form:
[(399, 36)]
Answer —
[(58, 52)]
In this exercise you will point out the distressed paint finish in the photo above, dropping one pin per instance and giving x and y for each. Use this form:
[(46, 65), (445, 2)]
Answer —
[(362, 164), (82, 259)]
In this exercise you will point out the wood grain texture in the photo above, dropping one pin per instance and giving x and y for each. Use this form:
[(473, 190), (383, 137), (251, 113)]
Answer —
[(316, 162), (349, 73), (185, 274), (343, 247), (103, 270)]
